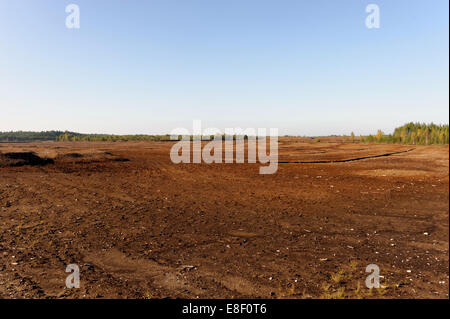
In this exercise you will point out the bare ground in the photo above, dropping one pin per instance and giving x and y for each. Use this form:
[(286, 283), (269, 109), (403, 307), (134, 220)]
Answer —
[(141, 227)]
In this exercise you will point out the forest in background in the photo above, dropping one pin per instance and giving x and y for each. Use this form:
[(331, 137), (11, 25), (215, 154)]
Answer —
[(411, 133), (66, 136)]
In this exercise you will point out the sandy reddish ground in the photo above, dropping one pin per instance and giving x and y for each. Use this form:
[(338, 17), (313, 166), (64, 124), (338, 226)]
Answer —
[(147, 228)]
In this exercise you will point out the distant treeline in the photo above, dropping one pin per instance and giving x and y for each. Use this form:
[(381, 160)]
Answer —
[(21, 136), (67, 136), (411, 133), (118, 138), (79, 137)]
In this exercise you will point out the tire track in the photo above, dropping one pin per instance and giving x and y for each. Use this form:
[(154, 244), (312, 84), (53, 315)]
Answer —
[(345, 160)]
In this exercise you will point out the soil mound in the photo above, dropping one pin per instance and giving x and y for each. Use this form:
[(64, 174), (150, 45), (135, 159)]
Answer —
[(23, 158), (73, 155), (87, 158)]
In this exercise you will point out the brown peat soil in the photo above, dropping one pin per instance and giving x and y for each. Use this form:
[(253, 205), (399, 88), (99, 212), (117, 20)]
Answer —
[(140, 226)]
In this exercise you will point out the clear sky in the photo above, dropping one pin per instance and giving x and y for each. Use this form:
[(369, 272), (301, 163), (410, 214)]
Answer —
[(307, 67)]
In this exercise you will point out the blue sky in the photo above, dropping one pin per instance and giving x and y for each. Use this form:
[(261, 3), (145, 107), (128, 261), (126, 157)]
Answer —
[(306, 67)]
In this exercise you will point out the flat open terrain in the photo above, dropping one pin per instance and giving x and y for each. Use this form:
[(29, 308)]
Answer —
[(139, 226)]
